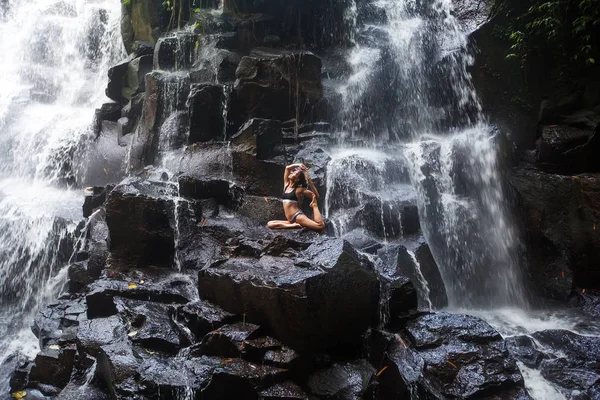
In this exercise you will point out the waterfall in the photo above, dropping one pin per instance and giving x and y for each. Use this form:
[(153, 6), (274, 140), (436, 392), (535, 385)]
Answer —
[(55, 60), (408, 91)]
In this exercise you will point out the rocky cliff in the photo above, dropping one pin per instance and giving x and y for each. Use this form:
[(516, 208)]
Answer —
[(179, 291)]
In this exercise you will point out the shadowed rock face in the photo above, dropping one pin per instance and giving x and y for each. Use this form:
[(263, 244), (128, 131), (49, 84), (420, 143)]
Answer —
[(563, 357), (320, 301), (140, 225), (561, 214), (444, 355)]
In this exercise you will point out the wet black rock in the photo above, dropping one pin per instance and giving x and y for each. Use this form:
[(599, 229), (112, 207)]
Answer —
[(222, 191), (201, 317), (525, 350), (175, 52), (560, 218), (166, 93), (239, 379), (347, 381), (323, 300), (95, 197), (259, 137), (431, 273), (57, 323), (53, 366), (106, 112), (152, 326), (217, 161), (140, 224), (568, 150), (227, 341), (446, 355), (97, 332), (403, 296), (206, 102), (264, 82), (284, 391), (565, 358), (101, 294), (261, 209), (125, 80)]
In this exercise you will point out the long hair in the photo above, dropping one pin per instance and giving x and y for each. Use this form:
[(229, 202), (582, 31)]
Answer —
[(301, 182)]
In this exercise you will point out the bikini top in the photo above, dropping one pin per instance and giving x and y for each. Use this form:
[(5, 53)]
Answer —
[(291, 196)]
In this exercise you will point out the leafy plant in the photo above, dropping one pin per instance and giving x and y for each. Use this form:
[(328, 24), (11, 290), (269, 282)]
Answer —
[(569, 28)]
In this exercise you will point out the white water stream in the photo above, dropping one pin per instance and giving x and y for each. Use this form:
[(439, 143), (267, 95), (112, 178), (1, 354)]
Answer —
[(447, 154), (55, 57)]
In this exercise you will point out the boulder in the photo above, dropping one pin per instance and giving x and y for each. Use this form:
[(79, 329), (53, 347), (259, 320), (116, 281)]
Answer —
[(445, 355), (277, 85), (218, 161), (53, 366), (323, 300), (223, 192), (152, 326), (261, 209), (94, 197), (346, 381), (173, 289), (125, 80), (139, 215), (175, 52), (57, 323), (206, 109), (226, 341), (202, 317), (259, 137), (106, 112), (568, 150), (239, 379), (431, 273), (166, 97), (283, 391), (560, 217), (97, 332), (564, 358)]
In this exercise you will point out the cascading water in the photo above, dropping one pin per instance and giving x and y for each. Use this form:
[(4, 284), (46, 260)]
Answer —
[(55, 60), (445, 145), (408, 91)]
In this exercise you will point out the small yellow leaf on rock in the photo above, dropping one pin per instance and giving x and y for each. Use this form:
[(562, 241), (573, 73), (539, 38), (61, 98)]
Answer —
[(267, 200), (204, 222), (19, 395), (54, 347), (227, 360), (563, 274), (132, 334), (132, 285), (582, 290), (452, 364), (142, 281), (381, 370), (149, 352)]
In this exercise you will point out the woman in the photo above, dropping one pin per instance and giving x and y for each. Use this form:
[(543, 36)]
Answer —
[(294, 191)]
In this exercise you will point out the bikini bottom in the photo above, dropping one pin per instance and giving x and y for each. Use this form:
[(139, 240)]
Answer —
[(293, 219)]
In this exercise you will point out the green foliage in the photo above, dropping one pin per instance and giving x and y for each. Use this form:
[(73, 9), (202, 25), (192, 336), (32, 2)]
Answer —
[(126, 2), (570, 29), (167, 5)]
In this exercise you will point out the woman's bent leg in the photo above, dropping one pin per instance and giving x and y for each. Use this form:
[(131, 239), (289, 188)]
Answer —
[(281, 224), (316, 225)]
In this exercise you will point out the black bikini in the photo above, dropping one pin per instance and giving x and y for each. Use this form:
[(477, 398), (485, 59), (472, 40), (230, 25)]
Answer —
[(291, 196)]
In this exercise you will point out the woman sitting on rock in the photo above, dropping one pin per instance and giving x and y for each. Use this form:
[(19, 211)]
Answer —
[(294, 191)]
